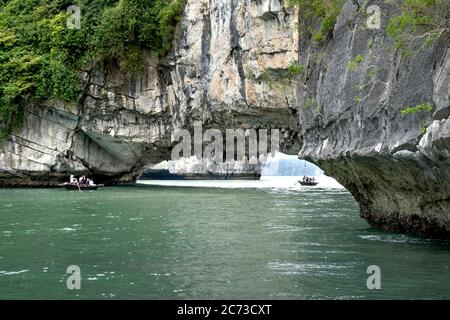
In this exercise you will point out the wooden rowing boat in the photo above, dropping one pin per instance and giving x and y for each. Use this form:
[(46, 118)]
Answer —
[(80, 187)]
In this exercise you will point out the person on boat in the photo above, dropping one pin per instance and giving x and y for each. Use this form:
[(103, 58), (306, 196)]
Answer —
[(73, 180), (83, 180), (305, 178), (91, 182)]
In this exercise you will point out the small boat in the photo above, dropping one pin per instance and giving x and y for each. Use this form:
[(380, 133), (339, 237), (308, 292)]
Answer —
[(80, 187), (309, 184)]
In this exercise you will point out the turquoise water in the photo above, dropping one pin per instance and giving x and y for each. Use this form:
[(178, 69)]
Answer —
[(151, 242)]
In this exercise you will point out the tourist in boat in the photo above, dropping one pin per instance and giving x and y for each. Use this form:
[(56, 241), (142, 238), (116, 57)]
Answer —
[(83, 180), (91, 182), (73, 180)]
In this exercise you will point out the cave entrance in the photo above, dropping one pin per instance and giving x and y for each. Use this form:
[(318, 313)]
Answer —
[(279, 171)]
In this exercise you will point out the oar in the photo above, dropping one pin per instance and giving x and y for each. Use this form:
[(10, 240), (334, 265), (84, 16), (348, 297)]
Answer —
[(78, 184)]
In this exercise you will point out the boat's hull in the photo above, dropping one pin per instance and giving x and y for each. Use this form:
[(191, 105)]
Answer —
[(308, 184), (81, 187)]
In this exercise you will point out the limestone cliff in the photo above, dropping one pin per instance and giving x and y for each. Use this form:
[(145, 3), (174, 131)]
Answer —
[(122, 124), (353, 128)]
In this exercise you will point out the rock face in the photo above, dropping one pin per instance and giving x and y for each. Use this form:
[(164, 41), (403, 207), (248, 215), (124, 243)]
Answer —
[(121, 124), (345, 116), (353, 128), (194, 169)]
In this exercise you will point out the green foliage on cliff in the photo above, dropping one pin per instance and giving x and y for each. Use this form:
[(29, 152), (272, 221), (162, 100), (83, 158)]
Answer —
[(326, 11), (41, 58), (421, 23), (284, 77), (421, 109), (424, 107), (294, 69), (353, 64), (131, 25)]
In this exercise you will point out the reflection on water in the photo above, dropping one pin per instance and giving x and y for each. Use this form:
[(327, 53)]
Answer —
[(182, 242)]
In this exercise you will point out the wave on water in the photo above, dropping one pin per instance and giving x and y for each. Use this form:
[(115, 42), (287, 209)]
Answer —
[(313, 269), (67, 229), (395, 238), (11, 273)]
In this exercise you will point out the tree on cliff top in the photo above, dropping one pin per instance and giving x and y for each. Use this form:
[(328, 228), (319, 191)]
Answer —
[(40, 58), (421, 23)]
